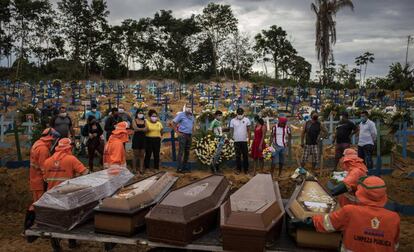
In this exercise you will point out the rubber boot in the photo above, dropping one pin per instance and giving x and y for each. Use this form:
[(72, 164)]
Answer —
[(28, 223), (73, 244), (55, 243)]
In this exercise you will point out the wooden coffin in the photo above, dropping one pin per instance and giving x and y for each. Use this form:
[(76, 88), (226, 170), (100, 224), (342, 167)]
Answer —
[(72, 202), (252, 216), (124, 212), (309, 199), (187, 213)]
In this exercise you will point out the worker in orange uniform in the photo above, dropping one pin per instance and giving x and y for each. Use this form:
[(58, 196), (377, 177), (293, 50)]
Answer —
[(356, 169), (114, 152), (38, 154), (62, 165), (367, 226)]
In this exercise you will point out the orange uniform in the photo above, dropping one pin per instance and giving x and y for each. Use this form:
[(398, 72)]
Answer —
[(38, 154), (367, 226), (356, 169), (114, 152), (62, 165)]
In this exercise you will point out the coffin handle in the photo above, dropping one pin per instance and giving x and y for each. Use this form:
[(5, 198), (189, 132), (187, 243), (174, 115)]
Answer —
[(198, 231)]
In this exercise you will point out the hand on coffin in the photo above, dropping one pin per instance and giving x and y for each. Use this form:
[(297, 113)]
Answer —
[(306, 223), (339, 189)]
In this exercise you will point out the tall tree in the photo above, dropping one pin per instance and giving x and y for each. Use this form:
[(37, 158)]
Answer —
[(96, 32), (218, 22), (325, 32), (6, 39), (273, 42), (75, 15), (363, 60), (238, 54), (25, 14), (47, 42)]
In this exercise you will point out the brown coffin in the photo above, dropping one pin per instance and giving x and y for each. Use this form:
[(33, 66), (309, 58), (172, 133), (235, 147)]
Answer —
[(252, 215), (187, 213), (124, 212), (309, 199)]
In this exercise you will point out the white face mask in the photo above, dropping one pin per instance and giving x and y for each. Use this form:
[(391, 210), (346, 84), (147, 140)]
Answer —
[(154, 118), (239, 117), (140, 116), (121, 110), (188, 110), (64, 114), (94, 110), (341, 118)]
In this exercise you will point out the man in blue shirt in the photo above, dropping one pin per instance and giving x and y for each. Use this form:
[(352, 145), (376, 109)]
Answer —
[(93, 112), (183, 124)]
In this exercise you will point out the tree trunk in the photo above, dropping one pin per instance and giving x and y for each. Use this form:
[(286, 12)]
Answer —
[(365, 72)]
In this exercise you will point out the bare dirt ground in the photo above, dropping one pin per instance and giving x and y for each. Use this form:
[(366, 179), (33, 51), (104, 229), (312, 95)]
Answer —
[(14, 198)]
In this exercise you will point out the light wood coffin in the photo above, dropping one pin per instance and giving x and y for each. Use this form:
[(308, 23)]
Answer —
[(124, 212), (309, 199)]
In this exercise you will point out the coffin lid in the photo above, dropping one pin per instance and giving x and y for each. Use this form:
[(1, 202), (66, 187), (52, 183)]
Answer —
[(257, 204), (190, 201), (309, 192), (145, 191), (83, 190)]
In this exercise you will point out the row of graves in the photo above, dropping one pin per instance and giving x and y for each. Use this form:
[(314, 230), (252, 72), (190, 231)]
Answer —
[(111, 206), (204, 99)]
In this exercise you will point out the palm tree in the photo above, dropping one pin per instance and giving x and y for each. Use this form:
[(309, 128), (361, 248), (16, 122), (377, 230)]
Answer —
[(363, 60), (325, 11)]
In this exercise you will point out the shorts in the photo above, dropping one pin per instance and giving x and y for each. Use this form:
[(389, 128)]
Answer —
[(279, 155), (310, 150)]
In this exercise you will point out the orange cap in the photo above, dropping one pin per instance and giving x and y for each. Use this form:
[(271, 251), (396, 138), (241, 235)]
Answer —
[(64, 144), (46, 135), (120, 128), (350, 152), (372, 191)]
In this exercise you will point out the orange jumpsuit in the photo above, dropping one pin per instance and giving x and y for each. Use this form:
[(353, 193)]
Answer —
[(38, 154), (114, 152), (364, 228), (61, 166), (356, 169)]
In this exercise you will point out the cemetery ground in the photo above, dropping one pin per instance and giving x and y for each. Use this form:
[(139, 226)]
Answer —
[(15, 195)]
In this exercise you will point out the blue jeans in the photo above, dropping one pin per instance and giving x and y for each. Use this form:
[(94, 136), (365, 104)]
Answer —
[(279, 155), (365, 152)]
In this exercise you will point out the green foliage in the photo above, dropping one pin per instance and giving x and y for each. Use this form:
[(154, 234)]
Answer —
[(395, 122)]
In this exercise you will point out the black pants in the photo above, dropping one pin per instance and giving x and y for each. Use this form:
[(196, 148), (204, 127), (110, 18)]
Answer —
[(242, 150), (152, 147), (94, 146), (184, 146), (365, 152)]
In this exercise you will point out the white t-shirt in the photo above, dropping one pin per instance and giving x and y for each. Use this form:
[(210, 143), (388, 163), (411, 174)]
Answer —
[(280, 137), (240, 129), (367, 133)]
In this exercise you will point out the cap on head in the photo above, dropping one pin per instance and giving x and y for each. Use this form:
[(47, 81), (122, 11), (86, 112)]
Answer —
[(350, 152), (64, 144), (372, 191), (283, 120)]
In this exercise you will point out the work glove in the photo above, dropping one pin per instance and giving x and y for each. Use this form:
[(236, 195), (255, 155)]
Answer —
[(339, 189), (306, 223)]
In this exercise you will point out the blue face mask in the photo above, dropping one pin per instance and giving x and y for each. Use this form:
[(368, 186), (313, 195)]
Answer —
[(364, 119)]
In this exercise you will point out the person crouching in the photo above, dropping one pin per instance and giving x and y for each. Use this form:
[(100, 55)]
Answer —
[(114, 152)]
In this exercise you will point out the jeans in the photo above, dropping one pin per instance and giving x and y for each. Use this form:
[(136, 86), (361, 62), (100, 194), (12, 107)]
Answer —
[(184, 145), (279, 155), (152, 147), (365, 152), (242, 150)]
